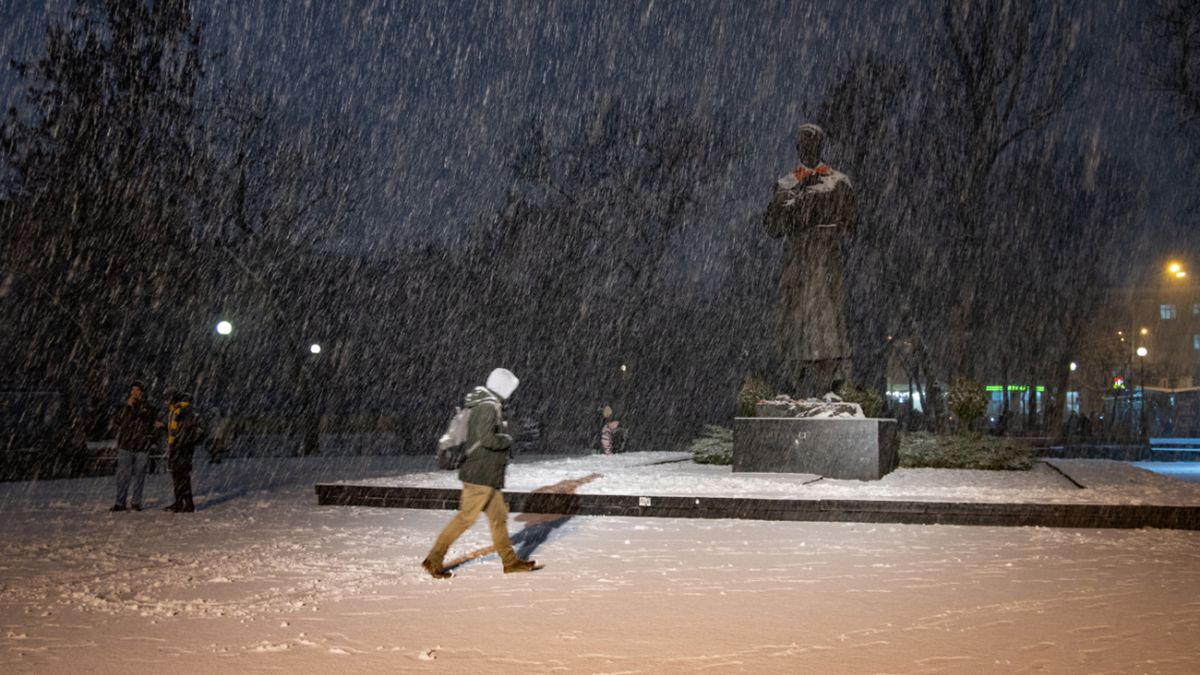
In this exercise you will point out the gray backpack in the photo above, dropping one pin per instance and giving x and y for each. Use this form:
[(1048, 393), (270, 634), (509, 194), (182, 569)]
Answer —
[(451, 452)]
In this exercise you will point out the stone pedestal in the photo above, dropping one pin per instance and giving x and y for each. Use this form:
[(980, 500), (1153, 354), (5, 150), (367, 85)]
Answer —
[(863, 448)]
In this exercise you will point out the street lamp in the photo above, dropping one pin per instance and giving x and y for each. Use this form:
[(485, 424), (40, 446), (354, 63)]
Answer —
[(314, 348), (1142, 352), (1176, 270), (218, 361)]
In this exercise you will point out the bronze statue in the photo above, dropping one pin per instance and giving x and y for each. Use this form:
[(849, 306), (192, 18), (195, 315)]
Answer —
[(813, 206)]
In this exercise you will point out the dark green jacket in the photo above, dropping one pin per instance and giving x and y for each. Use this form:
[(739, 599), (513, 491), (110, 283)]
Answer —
[(486, 426)]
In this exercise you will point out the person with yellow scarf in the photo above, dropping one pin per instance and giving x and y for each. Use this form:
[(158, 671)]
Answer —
[(185, 430)]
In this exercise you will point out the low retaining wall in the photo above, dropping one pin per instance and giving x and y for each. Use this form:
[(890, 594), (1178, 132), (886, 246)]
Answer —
[(822, 510)]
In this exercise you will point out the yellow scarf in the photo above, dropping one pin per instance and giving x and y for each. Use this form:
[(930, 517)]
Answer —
[(173, 420)]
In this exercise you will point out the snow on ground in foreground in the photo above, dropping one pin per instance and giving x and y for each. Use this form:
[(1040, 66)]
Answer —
[(263, 580), (662, 474)]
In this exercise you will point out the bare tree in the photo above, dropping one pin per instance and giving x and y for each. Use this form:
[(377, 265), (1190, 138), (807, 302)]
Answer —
[(1002, 71), (276, 192), (1062, 223), (874, 136), (597, 211), (102, 165), (1172, 59)]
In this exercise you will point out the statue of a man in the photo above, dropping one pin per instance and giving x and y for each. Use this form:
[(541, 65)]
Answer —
[(813, 207)]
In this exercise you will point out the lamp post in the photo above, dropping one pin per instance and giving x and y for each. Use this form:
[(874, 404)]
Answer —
[(311, 405), (224, 331), (1141, 352)]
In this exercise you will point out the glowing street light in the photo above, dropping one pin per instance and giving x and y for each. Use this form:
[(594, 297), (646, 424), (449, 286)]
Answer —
[(1145, 331), (314, 348), (1176, 270), (224, 328), (1074, 366), (1142, 351)]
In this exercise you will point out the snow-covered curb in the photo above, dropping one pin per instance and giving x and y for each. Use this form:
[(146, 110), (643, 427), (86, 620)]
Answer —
[(671, 475)]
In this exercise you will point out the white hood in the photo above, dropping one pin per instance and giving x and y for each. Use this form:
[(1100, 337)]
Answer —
[(502, 382)]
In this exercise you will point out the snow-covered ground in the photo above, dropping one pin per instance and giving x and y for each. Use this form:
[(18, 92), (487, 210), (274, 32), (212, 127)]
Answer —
[(263, 580)]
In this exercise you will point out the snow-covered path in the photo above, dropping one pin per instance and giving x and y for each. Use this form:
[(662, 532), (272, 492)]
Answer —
[(262, 580)]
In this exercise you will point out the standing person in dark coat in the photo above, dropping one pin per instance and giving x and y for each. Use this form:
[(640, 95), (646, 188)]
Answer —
[(185, 430), (482, 474), (136, 437)]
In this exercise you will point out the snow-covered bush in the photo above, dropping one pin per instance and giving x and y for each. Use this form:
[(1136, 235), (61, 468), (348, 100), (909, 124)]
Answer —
[(968, 401), (753, 390), (921, 449), (714, 445), (867, 398)]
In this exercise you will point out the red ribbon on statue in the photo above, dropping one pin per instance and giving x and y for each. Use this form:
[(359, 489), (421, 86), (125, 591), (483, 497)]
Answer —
[(803, 172)]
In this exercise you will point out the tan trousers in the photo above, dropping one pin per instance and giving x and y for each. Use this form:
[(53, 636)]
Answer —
[(477, 499)]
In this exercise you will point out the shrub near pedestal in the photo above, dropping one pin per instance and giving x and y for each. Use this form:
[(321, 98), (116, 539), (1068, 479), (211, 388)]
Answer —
[(714, 445), (921, 449)]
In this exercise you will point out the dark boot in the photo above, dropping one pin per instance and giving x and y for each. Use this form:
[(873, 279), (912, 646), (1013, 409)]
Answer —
[(523, 566), (435, 569), (188, 506), (116, 507), (182, 483)]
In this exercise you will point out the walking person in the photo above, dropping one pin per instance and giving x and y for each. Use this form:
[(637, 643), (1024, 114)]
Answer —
[(482, 474), (136, 437), (185, 430)]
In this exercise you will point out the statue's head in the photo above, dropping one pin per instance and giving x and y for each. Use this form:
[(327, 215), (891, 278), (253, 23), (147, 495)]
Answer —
[(808, 144)]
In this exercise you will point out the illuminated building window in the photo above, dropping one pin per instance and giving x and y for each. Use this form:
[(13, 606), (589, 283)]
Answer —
[(1196, 309), (1166, 311), (1196, 342)]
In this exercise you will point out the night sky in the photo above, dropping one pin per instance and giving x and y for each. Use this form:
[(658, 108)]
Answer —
[(434, 91)]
